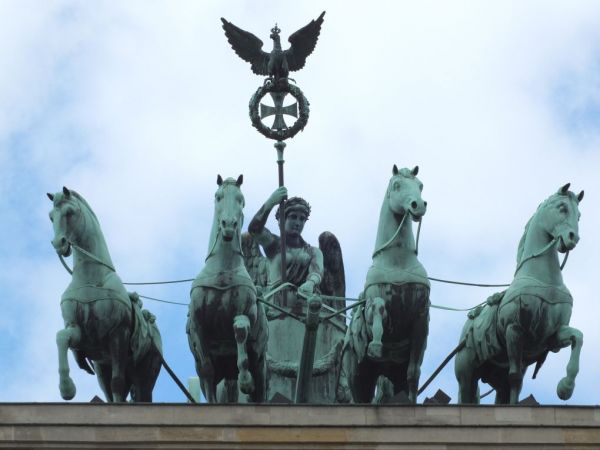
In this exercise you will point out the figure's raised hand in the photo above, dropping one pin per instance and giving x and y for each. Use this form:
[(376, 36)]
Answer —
[(277, 196)]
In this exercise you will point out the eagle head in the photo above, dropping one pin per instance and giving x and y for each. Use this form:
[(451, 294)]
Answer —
[(275, 33)]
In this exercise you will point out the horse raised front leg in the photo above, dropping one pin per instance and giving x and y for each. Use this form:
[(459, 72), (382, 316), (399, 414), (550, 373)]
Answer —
[(241, 329), (568, 336), (514, 348), (65, 338), (375, 348)]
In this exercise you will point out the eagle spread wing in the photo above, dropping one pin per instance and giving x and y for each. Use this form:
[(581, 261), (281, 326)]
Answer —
[(303, 43), (248, 47)]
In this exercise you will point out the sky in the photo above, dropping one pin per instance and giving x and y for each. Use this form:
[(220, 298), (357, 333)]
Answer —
[(140, 105)]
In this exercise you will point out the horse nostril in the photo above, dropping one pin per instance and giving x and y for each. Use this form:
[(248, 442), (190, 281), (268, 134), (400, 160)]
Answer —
[(235, 224), (414, 205), (63, 241), (571, 236), (425, 203), (223, 224)]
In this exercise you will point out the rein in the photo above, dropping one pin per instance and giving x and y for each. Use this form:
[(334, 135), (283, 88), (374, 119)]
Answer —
[(389, 242), (212, 249), (86, 253), (541, 252)]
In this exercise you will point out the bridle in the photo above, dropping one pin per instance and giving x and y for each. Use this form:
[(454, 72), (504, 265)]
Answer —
[(82, 250)]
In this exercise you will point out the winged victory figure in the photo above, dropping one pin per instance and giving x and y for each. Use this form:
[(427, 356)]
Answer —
[(277, 64)]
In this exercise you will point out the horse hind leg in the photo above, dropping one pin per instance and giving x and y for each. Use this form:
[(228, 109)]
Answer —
[(119, 349), (241, 330), (514, 349), (568, 336), (417, 351), (104, 374), (375, 348), (65, 338)]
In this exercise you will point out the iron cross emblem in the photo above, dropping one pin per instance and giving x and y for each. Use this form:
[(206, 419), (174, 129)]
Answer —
[(278, 111)]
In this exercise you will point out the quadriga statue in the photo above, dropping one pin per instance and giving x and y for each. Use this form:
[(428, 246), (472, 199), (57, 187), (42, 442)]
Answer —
[(313, 271), (105, 327), (518, 327), (226, 327), (388, 335)]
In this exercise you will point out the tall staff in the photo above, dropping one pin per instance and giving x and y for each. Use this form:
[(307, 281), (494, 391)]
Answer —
[(276, 65)]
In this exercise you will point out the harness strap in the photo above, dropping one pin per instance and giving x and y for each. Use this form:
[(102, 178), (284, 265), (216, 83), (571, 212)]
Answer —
[(92, 256), (535, 255), (387, 244)]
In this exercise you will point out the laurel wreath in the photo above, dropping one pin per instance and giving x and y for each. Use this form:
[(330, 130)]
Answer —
[(303, 107)]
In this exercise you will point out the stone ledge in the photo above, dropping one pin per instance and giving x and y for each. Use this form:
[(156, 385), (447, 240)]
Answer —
[(170, 426)]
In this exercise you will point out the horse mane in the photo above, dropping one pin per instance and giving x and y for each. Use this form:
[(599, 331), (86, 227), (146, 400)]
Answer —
[(86, 205)]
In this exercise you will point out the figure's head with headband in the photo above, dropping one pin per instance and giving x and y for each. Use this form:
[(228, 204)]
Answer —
[(294, 204)]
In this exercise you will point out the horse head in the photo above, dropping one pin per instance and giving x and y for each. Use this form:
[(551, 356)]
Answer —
[(67, 219), (559, 217), (229, 206), (404, 193)]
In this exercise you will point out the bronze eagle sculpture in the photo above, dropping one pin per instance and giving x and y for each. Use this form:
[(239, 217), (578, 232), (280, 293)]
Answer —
[(277, 64)]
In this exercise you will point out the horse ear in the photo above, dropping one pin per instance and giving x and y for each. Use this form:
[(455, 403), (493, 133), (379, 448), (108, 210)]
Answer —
[(563, 190), (239, 181), (66, 192), (580, 197), (415, 171), (50, 196), (395, 170), (219, 180)]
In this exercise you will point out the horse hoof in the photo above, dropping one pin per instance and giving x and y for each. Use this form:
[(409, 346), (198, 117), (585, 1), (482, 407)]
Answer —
[(375, 350), (565, 388), (245, 383), (67, 389)]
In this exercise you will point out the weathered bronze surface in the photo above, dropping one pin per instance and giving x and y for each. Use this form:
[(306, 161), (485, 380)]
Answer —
[(306, 268), (227, 328), (105, 327), (518, 327), (277, 64), (388, 335)]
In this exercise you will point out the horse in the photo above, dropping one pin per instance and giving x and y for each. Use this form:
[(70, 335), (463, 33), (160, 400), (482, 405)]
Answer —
[(227, 328), (519, 326), (388, 334), (105, 327)]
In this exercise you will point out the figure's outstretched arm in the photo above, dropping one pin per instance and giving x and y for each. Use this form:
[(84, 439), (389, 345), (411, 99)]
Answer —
[(257, 225)]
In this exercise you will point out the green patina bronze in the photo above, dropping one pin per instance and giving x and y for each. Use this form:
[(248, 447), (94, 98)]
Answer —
[(227, 328), (105, 327), (314, 271), (518, 327), (388, 335), (278, 63)]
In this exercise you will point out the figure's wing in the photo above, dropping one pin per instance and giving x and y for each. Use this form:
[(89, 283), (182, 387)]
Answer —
[(303, 43), (256, 263), (334, 278), (248, 47)]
